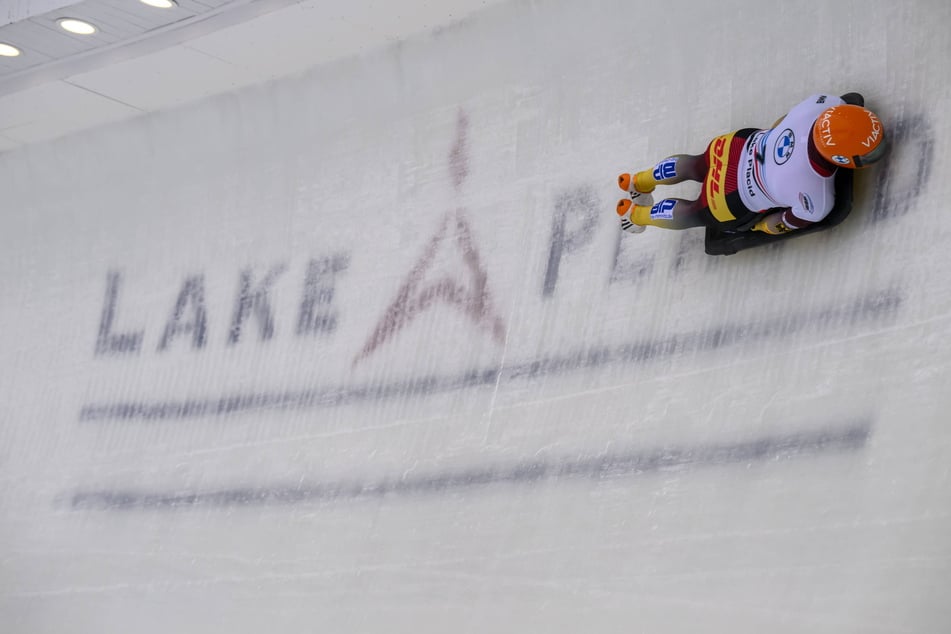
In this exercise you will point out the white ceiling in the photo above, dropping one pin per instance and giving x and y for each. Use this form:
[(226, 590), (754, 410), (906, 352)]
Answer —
[(144, 59)]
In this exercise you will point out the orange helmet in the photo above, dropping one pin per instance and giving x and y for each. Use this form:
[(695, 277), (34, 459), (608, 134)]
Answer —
[(850, 136)]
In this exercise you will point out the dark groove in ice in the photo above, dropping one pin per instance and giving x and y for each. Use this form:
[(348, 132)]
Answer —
[(868, 306), (850, 437)]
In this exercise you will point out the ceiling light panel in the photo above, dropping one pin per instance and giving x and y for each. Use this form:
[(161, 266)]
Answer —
[(76, 26), (160, 4), (117, 22)]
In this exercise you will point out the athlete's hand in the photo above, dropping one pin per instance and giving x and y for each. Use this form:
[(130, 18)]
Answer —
[(772, 224)]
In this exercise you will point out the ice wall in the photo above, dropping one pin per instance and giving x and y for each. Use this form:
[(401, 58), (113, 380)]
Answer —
[(363, 350)]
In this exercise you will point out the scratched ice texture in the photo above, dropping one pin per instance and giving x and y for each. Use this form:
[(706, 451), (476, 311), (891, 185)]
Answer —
[(362, 350)]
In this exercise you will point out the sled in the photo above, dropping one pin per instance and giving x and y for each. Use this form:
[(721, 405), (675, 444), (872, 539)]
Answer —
[(729, 241)]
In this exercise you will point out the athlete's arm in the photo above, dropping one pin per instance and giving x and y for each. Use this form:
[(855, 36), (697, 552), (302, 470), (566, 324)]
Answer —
[(826, 100), (782, 221)]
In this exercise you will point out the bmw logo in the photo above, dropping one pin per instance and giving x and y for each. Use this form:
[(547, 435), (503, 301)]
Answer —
[(841, 160), (783, 148)]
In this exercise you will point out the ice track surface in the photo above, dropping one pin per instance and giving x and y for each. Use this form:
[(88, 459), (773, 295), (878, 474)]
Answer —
[(363, 350)]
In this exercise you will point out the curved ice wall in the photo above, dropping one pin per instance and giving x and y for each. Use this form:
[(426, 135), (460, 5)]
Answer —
[(363, 350)]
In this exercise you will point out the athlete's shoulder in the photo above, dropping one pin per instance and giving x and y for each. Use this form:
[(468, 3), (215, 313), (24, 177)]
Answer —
[(826, 99), (817, 103)]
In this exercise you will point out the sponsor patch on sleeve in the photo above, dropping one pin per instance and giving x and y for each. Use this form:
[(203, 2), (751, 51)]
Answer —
[(806, 203)]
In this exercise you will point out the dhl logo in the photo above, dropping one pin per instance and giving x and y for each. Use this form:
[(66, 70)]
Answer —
[(716, 182)]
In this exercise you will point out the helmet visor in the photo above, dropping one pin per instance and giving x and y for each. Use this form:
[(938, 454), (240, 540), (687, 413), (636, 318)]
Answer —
[(873, 156)]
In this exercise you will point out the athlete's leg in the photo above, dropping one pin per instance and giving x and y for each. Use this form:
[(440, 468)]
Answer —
[(669, 213), (670, 171)]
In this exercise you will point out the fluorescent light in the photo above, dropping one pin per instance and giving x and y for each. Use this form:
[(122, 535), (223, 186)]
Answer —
[(161, 4), (6, 50), (76, 26)]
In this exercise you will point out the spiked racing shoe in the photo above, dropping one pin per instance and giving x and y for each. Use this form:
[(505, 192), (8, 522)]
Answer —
[(628, 182), (625, 207)]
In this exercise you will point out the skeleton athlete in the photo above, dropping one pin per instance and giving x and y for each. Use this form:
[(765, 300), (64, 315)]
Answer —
[(784, 174)]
